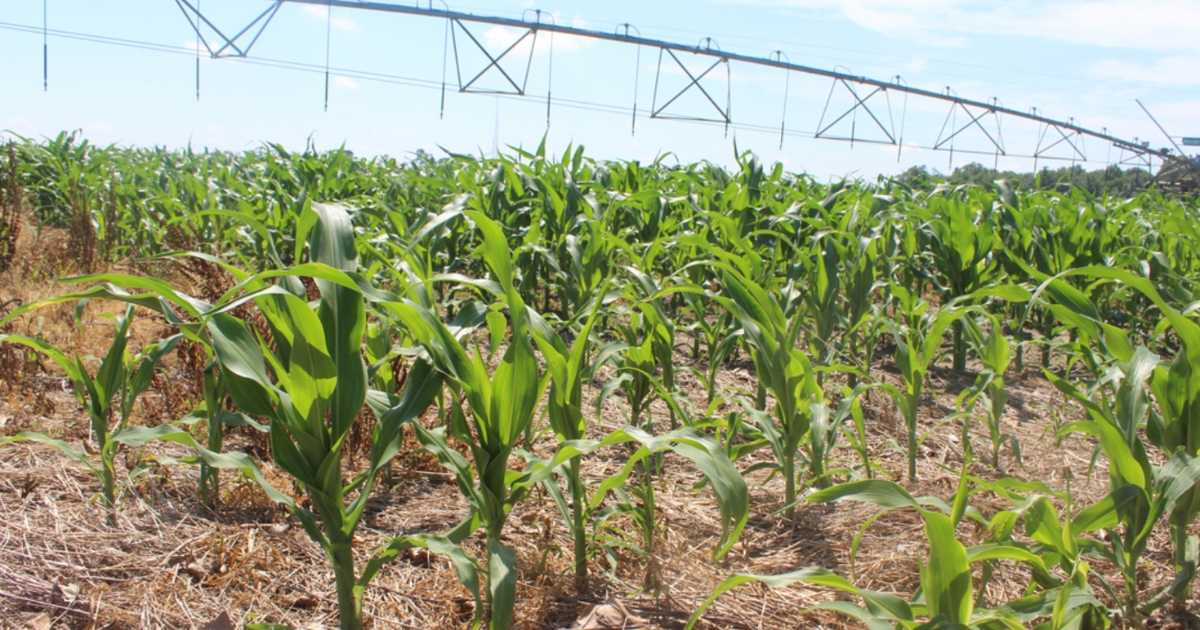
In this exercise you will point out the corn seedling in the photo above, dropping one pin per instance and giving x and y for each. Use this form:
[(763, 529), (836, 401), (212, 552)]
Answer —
[(946, 593), (569, 369), (502, 405), (995, 353), (918, 345), (318, 390), (785, 372), (118, 378)]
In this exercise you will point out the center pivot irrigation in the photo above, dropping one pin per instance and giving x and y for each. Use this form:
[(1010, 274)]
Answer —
[(871, 98)]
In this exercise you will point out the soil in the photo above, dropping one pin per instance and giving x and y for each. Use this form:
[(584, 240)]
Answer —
[(169, 561)]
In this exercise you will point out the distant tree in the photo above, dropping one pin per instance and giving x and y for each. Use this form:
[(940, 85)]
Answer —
[(1112, 181)]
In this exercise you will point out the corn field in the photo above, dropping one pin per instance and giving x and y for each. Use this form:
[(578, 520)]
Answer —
[(518, 321)]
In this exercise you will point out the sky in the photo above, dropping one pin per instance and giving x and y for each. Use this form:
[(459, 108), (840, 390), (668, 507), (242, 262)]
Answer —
[(1082, 59)]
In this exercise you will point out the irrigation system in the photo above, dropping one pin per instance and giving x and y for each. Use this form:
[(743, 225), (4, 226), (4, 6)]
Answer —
[(869, 98)]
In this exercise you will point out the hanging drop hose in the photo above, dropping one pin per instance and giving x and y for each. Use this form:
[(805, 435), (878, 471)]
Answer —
[(45, 48), (328, 35), (445, 54), (787, 79), (637, 70), (197, 53)]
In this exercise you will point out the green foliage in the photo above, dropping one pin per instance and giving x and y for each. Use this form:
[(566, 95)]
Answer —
[(119, 377), (489, 286), (787, 373)]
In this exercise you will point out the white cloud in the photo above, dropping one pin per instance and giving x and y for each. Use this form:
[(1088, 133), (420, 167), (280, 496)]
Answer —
[(1172, 70), (346, 83), (498, 38), (1162, 25), (322, 14), (20, 122)]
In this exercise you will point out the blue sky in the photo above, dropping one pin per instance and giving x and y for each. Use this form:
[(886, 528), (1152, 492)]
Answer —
[(1087, 59)]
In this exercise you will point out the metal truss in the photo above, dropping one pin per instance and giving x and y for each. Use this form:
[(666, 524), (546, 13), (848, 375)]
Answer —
[(469, 86), (1071, 138), (1053, 135), (197, 20), (693, 82), (974, 120), (1135, 158), (860, 103)]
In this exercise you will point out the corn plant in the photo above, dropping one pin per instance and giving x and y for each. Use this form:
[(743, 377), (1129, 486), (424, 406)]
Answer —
[(783, 370), (859, 319), (216, 418), (848, 419), (733, 499), (821, 299), (569, 369), (995, 353), (316, 394), (658, 326), (119, 379), (946, 593), (634, 358), (1168, 426), (1141, 495), (960, 240), (918, 345), (502, 406), (718, 340)]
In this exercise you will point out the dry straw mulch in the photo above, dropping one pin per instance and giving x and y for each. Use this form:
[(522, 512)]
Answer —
[(170, 562)]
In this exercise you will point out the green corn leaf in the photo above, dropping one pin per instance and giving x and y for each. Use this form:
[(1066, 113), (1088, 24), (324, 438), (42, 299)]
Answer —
[(111, 375), (465, 568), (946, 579), (885, 494), (66, 448), (244, 365), (342, 314), (810, 575), (502, 584)]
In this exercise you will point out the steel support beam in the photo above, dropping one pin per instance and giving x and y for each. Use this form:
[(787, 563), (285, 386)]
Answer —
[(860, 102), (693, 81), (493, 61), (1067, 129), (198, 21)]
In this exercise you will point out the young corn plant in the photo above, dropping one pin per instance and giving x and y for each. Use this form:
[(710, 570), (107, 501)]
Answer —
[(947, 594), (216, 419), (821, 299), (312, 387), (995, 354), (718, 340), (858, 317), (634, 359), (502, 406), (784, 371), (848, 419), (1169, 425), (108, 397), (1141, 494), (960, 239), (569, 369), (918, 343), (636, 500), (658, 326)]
